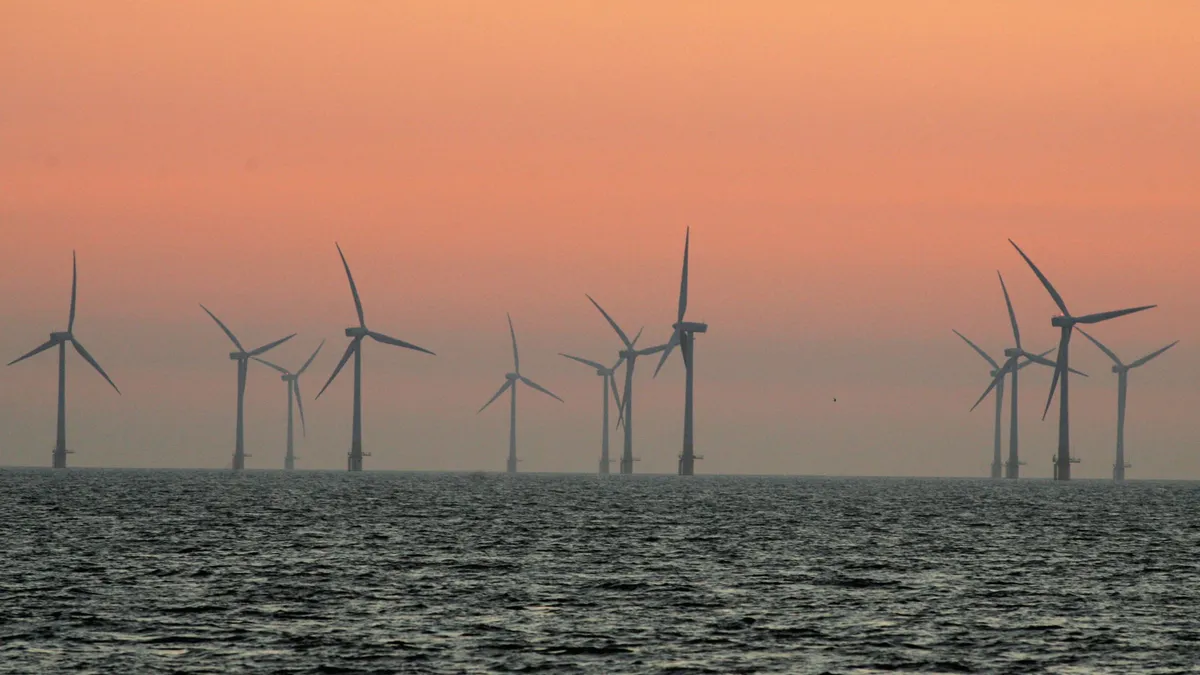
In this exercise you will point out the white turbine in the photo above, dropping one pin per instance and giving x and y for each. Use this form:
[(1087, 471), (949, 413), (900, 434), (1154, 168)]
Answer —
[(629, 355), (60, 339), (242, 356), (510, 382), (292, 380), (1122, 371), (608, 383), (356, 454), (684, 335), (1066, 323)]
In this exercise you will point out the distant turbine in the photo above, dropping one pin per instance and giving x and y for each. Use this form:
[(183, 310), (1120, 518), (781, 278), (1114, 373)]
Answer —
[(629, 354), (1013, 467), (1066, 322), (242, 357), (61, 338), (511, 383), (1122, 372), (608, 383), (293, 386), (684, 336), (997, 374), (359, 332)]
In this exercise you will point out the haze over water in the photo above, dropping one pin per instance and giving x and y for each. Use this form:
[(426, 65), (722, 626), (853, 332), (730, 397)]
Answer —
[(194, 571)]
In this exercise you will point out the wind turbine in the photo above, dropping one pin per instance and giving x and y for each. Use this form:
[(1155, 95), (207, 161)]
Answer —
[(510, 382), (60, 339), (1066, 322), (354, 349), (1010, 368), (293, 386), (1122, 372), (684, 335), (243, 358), (997, 374), (608, 383), (629, 355)]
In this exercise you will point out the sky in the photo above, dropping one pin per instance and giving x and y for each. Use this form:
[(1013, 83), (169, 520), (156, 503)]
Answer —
[(850, 172)]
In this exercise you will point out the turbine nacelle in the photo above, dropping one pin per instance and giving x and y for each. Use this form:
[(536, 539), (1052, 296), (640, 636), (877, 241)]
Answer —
[(1118, 369), (238, 356), (512, 376), (357, 331), (1060, 321), (690, 327), (61, 336), (1013, 351)]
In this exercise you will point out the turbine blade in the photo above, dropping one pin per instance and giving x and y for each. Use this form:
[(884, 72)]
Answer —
[(1045, 282), (585, 362), (345, 357), (353, 289), (1105, 316), (616, 365), (977, 349), (667, 352), (272, 365), (540, 388), (635, 337), (270, 345), (1039, 359), (37, 350), (310, 359), (617, 399), (651, 350), (88, 357), (1012, 316), (1063, 344), (683, 283), (224, 328), (300, 405), (516, 358), (388, 340), (995, 380), (1152, 355), (612, 323), (507, 384), (1104, 349), (74, 287)]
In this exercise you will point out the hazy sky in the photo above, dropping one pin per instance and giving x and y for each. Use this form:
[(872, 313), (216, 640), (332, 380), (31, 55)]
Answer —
[(850, 171)]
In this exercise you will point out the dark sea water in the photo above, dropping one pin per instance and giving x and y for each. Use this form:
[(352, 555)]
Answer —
[(193, 571)]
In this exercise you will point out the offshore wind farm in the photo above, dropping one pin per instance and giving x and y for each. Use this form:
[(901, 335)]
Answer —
[(681, 336)]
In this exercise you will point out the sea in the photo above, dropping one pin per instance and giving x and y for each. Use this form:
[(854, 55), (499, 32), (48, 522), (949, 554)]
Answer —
[(155, 571)]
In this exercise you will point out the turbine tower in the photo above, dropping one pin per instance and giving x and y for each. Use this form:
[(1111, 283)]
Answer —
[(629, 355), (608, 383), (357, 333), (510, 382), (243, 358), (1066, 323), (60, 339), (1122, 372), (292, 380), (684, 335)]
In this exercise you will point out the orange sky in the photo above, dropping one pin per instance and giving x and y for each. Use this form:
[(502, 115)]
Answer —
[(850, 171)]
